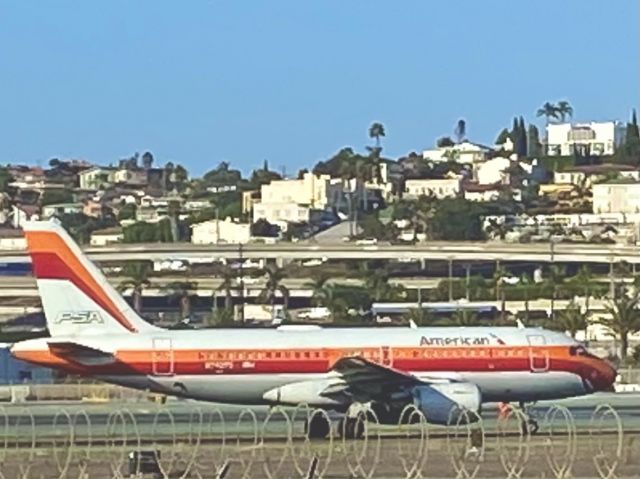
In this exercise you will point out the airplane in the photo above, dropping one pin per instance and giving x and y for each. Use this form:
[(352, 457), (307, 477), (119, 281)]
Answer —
[(95, 332)]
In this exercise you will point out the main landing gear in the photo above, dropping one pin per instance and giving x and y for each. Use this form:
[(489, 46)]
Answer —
[(350, 426), (530, 425), (318, 427)]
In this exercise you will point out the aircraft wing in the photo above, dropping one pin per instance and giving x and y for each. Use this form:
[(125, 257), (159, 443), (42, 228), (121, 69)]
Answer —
[(81, 354), (366, 380)]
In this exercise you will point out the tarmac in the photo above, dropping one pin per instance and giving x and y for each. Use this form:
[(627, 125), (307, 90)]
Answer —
[(593, 436)]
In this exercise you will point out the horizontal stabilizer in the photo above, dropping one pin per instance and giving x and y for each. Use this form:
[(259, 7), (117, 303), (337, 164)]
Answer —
[(81, 354)]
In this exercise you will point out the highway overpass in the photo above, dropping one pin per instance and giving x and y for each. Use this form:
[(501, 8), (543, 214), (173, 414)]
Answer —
[(444, 251)]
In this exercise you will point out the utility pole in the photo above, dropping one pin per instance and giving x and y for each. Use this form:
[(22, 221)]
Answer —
[(612, 282), (217, 225), (467, 268), (241, 308), (450, 280)]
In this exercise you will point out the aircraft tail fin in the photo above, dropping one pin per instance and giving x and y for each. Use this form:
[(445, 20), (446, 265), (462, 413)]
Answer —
[(76, 297)]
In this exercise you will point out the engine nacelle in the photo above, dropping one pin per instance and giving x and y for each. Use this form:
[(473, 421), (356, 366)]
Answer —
[(446, 403), (305, 392)]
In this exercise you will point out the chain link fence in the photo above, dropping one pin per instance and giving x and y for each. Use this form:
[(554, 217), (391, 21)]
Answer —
[(205, 441)]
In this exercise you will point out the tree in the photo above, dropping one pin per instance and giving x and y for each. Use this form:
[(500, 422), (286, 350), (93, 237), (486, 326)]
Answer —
[(376, 130), (264, 229), (227, 285), (465, 317), (419, 316), (526, 282), (556, 279), (54, 197), (633, 133), (377, 283), (179, 177), (571, 320), (263, 177), (320, 292), (622, 319), (584, 282), (273, 286), (457, 219), (5, 178), (138, 273), (127, 212), (564, 110), (548, 110), (182, 291), (444, 142), (533, 141), (522, 139), (147, 160), (503, 136), (460, 130)]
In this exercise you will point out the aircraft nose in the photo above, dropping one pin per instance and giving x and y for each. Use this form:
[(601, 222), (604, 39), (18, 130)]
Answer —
[(605, 376)]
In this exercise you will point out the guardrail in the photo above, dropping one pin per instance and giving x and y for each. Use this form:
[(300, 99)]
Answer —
[(207, 442)]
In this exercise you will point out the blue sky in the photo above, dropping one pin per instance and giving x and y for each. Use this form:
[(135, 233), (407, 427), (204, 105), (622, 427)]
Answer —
[(292, 82)]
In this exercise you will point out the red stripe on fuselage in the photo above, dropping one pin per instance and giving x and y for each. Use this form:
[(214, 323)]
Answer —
[(51, 266)]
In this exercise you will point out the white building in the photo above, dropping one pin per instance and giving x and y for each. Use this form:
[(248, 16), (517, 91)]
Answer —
[(588, 174), (281, 213), (61, 209), (616, 197), (484, 192), (440, 188), (311, 190), (595, 138), (465, 152), (493, 171), (214, 231), (96, 177)]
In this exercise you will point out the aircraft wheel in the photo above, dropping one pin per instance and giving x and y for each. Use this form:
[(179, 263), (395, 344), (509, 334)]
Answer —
[(352, 427), (318, 427)]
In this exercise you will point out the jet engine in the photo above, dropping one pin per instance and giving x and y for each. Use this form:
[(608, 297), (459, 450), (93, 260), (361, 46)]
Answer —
[(446, 403)]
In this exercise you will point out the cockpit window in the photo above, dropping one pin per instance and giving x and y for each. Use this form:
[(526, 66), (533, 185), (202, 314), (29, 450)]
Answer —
[(580, 351), (577, 351)]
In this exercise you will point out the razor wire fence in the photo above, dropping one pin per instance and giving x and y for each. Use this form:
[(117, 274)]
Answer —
[(204, 441)]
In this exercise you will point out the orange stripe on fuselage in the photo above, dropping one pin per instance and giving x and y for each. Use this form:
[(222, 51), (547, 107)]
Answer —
[(39, 242), (321, 360)]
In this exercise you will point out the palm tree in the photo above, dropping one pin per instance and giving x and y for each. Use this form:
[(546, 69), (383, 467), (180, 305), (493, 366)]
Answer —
[(556, 279), (376, 130), (423, 211), (583, 282), (526, 282), (320, 290), (228, 276), (182, 291), (564, 110), (138, 273), (465, 317), (622, 319), (571, 320), (377, 283), (548, 110), (497, 229), (420, 316), (273, 286), (362, 173)]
